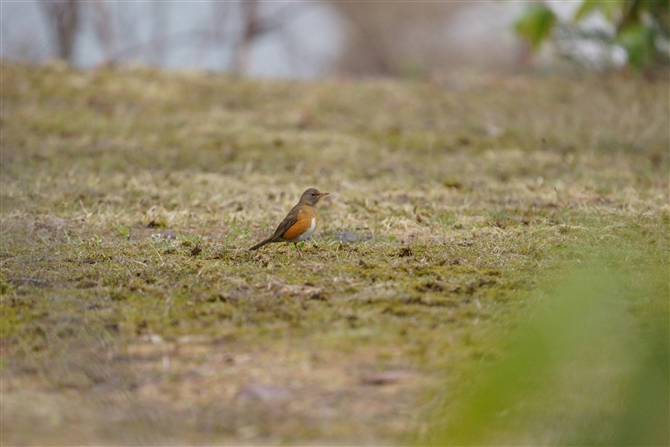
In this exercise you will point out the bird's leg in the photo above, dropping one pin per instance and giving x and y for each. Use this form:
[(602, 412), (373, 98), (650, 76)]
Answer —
[(296, 247)]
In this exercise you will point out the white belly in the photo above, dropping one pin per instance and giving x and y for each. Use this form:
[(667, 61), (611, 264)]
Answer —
[(309, 231)]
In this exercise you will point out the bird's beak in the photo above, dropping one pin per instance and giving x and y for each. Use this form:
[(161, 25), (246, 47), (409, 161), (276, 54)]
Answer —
[(322, 194)]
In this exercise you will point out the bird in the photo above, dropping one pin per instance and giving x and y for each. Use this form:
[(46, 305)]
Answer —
[(299, 224)]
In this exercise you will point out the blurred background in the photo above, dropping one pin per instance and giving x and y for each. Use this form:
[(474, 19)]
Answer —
[(314, 39)]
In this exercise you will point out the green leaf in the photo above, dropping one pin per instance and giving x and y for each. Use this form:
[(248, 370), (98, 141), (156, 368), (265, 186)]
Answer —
[(638, 40), (536, 24)]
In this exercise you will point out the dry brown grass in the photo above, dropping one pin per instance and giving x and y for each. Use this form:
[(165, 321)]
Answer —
[(133, 313)]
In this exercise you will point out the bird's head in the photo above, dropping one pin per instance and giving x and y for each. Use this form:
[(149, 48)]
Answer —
[(312, 196)]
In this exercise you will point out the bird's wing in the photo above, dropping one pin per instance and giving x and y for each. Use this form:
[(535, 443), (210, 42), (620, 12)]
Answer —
[(290, 219)]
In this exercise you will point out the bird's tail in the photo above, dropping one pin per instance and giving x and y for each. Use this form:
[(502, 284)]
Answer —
[(260, 244)]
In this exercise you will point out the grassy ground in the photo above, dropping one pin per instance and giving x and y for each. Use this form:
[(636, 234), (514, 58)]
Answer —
[(132, 312)]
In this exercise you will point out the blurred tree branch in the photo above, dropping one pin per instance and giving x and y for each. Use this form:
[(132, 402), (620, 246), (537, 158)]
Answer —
[(63, 19), (125, 30), (104, 29), (256, 25), (390, 38)]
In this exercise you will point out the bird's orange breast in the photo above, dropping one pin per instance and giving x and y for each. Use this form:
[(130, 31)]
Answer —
[(304, 222)]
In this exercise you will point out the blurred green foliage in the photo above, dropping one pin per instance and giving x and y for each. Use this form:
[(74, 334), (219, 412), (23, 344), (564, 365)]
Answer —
[(640, 27), (536, 24), (590, 367)]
